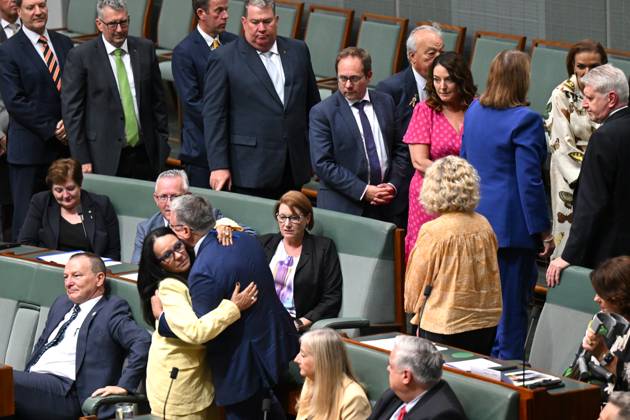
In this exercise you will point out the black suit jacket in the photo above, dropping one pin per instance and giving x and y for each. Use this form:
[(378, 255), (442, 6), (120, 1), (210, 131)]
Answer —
[(32, 99), (402, 87), (92, 109), (439, 403), (41, 226), (600, 228), (317, 285), (247, 128)]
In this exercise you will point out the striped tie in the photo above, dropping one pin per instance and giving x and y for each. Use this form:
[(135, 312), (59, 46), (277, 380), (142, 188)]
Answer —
[(51, 62)]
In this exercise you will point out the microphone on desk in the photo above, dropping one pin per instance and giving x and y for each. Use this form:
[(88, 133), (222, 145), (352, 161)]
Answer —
[(174, 373), (427, 292), (266, 406)]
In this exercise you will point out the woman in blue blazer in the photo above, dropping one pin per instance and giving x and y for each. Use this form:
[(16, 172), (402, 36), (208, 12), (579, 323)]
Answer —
[(505, 141)]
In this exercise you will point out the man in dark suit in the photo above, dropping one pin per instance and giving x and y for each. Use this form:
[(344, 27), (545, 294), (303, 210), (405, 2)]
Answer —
[(417, 390), (87, 337), (356, 145), (257, 95), (600, 228), (190, 59), (113, 102), (248, 358), (31, 64), (9, 19)]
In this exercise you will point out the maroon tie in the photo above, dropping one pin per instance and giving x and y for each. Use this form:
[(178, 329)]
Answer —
[(402, 413), (51, 62)]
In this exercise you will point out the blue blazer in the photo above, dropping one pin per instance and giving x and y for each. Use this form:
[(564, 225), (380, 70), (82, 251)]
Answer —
[(508, 149), (255, 351), (338, 155), (190, 58), (247, 128), (108, 336), (32, 99), (402, 87)]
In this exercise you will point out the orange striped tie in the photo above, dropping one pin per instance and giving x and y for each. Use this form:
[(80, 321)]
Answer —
[(51, 62)]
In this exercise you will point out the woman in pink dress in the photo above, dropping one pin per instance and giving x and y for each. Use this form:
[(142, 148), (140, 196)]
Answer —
[(435, 129)]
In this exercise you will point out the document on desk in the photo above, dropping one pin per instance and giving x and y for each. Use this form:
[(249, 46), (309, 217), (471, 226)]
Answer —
[(129, 276), (471, 365), (62, 258), (388, 344)]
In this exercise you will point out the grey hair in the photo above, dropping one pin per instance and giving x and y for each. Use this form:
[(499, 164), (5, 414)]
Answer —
[(174, 173), (419, 356), (195, 212), (621, 400), (411, 39), (607, 78), (262, 4), (114, 4)]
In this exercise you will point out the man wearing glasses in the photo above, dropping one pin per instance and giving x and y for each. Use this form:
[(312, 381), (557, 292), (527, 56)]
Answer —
[(113, 102), (356, 144)]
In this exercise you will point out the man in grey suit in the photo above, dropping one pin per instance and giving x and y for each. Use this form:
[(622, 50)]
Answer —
[(113, 101), (258, 92)]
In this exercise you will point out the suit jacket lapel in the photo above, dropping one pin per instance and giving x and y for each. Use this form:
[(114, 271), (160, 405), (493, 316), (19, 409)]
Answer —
[(55, 316), (59, 49), (135, 68), (411, 86), (83, 332), (32, 54), (105, 64), (54, 217), (3, 36), (307, 251), (88, 218), (255, 64), (348, 118), (287, 67)]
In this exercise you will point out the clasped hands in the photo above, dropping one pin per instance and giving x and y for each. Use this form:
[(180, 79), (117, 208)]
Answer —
[(381, 194)]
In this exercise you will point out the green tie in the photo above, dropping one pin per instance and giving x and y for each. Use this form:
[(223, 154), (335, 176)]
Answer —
[(131, 124)]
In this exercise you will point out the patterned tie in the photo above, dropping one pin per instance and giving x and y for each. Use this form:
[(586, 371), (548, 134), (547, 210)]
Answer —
[(51, 62), (215, 44), (370, 146), (59, 336), (402, 413), (131, 124), (282, 274)]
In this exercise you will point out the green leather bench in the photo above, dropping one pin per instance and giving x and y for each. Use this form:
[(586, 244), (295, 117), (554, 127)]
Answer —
[(365, 246)]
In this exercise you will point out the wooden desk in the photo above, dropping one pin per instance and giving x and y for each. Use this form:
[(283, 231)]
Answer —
[(575, 401), (7, 402)]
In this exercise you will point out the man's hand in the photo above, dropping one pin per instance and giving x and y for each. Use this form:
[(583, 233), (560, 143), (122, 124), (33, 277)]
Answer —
[(86, 168), (60, 133), (224, 235), (378, 195), (156, 305), (109, 390), (553, 271), (3, 145), (548, 246), (221, 179)]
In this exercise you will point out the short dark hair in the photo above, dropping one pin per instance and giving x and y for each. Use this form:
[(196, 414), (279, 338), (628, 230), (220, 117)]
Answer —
[(200, 4), (585, 45), (459, 72), (62, 169), (611, 281), (360, 53)]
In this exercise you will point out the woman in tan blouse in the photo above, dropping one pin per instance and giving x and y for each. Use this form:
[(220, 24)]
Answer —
[(454, 261)]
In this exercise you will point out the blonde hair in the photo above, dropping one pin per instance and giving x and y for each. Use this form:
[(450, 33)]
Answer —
[(508, 81), (450, 184), (331, 365)]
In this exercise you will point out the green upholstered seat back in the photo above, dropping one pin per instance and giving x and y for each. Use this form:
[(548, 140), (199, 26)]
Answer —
[(381, 40), (236, 9), (450, 40), (166, 70), (324, 36), (287, 16), (82, 16), (621, 62), (563, 321), (548, 70), (486, 48), (176, 17), (136, 9)]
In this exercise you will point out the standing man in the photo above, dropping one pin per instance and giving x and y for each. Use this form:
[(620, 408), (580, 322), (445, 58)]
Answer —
[(600, 229), (31, 66), (113, 102), (190, 59), (257, 96), (249, 357), (356, 145)]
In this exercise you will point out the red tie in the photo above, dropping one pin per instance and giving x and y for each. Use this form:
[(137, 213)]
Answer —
[(402, 413)]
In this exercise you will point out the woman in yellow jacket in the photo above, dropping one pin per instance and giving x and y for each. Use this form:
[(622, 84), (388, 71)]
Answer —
[(164, 266)]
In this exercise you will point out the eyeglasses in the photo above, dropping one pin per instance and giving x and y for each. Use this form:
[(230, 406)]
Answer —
[(163, 198), (124, 24), (168, 255), (283, 218), (353, 79)]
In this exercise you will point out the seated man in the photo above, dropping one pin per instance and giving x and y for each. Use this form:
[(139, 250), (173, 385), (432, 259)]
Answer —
[(417, 390), (171, 184), (87, 337), (618, 407)]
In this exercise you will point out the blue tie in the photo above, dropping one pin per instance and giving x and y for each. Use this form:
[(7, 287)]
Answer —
[(59, 336), (370, 146)]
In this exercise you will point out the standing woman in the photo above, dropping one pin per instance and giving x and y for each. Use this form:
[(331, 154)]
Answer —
[(505, 141), (436, 129), (568, 129)]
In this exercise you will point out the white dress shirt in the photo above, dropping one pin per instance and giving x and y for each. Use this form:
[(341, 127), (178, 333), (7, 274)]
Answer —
[(421, 82), (408, 407), (9, 32), (208, 38), (34, 38), (272, 62), (127, 62), (60, 360)]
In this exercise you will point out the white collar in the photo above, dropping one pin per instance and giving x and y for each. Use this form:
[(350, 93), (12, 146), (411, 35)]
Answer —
[(366, 97), (110, 48), (616, 110), (6, 23), (207, 37), (34, 36), (198, 244), (89, 304), (421, 81), (273, 49)]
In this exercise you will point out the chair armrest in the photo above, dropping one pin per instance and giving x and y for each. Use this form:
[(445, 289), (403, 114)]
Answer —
[(91, 405), (341, 323)]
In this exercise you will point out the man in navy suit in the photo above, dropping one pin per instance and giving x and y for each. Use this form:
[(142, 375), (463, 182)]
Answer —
[(257, 95), (356, 145), (87, 337), (190, 59), (31, 64), (248, 358), (417, 391)]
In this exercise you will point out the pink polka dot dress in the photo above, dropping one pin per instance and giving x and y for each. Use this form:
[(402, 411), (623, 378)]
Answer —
[(427, 127)]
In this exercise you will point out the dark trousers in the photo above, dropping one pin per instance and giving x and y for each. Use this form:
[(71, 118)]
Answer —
[(44, 396), (25, 180), (134, 163), (198, 176), (288, 183), (478, 341), (251, 409)]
